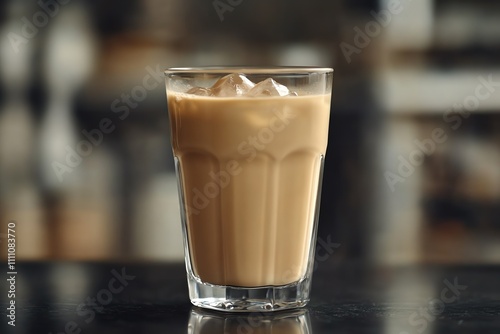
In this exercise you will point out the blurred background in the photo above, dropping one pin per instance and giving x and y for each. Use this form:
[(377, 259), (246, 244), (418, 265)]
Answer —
[(413, 165)]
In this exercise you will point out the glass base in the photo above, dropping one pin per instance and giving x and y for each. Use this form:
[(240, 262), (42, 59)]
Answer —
[(240, 299)]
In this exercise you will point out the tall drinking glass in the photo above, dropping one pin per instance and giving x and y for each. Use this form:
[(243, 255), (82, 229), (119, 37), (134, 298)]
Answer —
[(249, 147)]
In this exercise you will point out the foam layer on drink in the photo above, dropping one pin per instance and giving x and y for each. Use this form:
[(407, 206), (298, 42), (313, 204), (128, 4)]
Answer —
[(249, 168)]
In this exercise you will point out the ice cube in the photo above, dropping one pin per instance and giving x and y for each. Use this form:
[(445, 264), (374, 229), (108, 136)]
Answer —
[(268, 87), (232, 85), (200, 91)]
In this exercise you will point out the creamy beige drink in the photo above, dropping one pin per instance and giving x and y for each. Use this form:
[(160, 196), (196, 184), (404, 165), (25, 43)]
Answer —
[(249, 168)]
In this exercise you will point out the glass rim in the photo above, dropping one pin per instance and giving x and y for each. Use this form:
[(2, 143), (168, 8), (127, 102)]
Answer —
[(290, 70)]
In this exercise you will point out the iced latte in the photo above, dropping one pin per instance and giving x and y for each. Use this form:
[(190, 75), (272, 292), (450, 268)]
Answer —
[(249, 153)]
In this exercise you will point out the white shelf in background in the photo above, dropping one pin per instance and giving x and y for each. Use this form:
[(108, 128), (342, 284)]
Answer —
[(428, 91)]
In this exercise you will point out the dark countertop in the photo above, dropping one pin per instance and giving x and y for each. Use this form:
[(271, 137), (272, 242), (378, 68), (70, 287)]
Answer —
[(348, 298)]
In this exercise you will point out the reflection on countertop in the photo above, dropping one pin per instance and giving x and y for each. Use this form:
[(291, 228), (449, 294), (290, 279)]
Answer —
[(206, 322)]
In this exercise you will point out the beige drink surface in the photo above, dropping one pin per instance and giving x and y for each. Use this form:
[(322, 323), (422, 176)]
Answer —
[(249, 171)]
